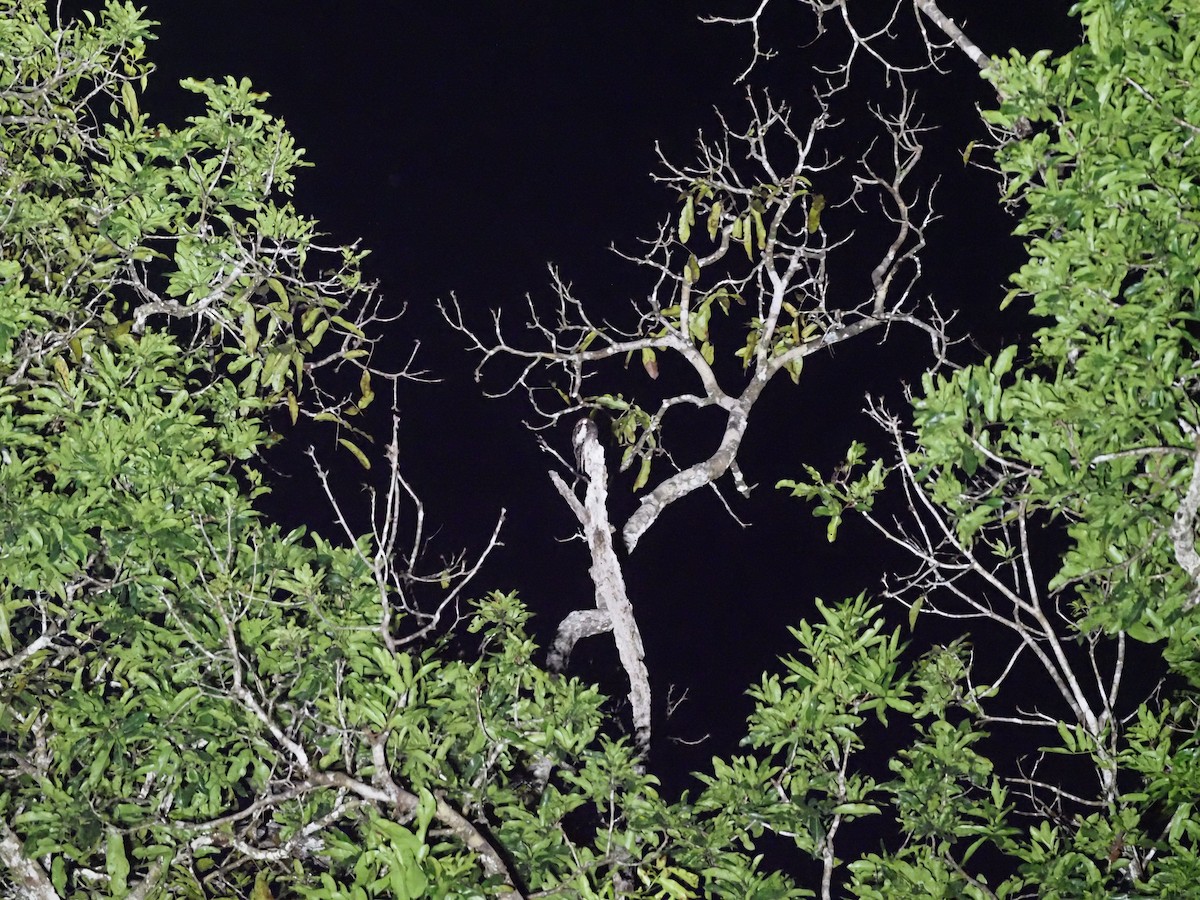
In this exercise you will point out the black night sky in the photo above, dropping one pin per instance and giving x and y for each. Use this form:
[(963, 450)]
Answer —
[(467, 145)]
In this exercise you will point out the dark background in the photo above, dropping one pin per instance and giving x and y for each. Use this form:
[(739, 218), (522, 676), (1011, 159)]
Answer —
[(468, 144)]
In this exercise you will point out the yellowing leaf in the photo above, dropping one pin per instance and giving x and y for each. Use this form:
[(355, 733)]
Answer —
[(249, 330), (686, 220), (348, 326), (714, 220), (762, 229), (64, 373), (293, 407), (262, 888), (358, 454), (794, 368), (814, 213)]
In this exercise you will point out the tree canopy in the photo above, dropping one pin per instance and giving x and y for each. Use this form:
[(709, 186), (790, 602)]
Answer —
[(198, 703)]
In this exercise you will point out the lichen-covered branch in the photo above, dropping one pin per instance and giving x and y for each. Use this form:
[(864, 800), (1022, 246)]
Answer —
[(1183, 531), (28, 877), (613, 609)]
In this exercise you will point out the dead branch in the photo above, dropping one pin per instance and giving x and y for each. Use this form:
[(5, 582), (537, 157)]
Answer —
[(874, 39), (751, 198)]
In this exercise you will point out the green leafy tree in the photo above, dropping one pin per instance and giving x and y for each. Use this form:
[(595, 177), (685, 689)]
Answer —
[(197, 704), (1052, 492), (1084, 441)]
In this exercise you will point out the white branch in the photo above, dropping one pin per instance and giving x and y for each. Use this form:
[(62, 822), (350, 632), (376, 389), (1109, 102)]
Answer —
[(612, 598)]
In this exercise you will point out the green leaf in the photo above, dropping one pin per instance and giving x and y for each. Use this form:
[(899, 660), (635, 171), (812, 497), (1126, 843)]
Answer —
[(349, 326), (643, 474), (116, 863), (1004, 361), (914, 610), (277, 286), (129, 99), (855, 809)]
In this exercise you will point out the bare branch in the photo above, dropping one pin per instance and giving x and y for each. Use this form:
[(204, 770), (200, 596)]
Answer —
[(613, 609), (761, 190), (875, 41)]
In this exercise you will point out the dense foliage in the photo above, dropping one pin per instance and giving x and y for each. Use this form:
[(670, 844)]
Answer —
[(197, 704), (1054, 489)]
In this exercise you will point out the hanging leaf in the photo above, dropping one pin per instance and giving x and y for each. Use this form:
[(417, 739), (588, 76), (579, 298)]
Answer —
[(129, 98), (814, 213), (714, 220), (649, 362), (914, 611), (794, 368), (687, 219), (762, 229), (262, 887), (60, 366), (364, 387), (250, 334), (698, 321), (643, 474)]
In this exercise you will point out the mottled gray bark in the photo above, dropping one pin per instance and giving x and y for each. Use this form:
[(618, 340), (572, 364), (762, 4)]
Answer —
[(28, 877), (613, 610)]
